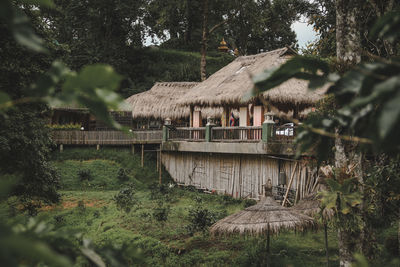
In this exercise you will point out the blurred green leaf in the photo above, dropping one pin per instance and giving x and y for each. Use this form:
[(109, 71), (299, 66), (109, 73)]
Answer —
[(24, 33), (306, 68), (4, 98), (387, 27), (390, 115), (93, 87), (44, 3), (47, 82)]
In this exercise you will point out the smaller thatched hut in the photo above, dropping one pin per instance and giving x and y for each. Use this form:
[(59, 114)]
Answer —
[(152, 107)]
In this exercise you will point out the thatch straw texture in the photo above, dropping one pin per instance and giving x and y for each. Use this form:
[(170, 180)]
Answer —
[(256, 219), (310, 205), (229, 85), (160, 102)]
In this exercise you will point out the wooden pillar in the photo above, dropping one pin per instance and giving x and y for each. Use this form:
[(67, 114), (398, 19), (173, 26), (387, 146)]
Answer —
[(197, 121), (61, 147), (258, 115), (133, 150), (97, 147), (142, 159), (225, 117), (244, 118), (191, 116)]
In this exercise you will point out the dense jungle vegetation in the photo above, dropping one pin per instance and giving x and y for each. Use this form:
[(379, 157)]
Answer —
[(84, 207)]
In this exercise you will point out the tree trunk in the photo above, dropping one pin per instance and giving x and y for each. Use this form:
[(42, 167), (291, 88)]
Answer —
[(348, 37), (189, 24), (347, 245), (204, 40), (348, 52)]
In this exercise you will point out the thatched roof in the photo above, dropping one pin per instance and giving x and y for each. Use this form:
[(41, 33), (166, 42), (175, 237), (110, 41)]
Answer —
[(254, 220), (229, 85), (160, 102)]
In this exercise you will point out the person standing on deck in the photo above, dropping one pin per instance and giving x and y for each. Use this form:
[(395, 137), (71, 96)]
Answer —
[(232, 120)]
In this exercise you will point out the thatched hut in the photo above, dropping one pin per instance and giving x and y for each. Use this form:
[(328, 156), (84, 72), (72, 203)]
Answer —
[(160, 102), (231, 84), (265, 218)]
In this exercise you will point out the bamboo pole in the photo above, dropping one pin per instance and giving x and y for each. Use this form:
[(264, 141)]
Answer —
[(290, 184), (297, 190)]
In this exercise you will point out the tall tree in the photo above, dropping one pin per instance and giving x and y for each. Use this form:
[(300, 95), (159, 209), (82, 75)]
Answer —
[(324, 21)]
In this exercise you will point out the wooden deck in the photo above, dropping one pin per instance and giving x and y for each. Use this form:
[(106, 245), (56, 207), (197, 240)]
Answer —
[(107, 137)]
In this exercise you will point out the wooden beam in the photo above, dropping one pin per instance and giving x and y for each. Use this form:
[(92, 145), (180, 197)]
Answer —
[(290, 184)]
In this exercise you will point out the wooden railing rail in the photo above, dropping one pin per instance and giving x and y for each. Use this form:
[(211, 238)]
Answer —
[(187, 134), (243, 134), (105, 137)]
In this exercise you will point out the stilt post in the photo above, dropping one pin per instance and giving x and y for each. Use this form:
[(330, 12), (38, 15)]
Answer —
[(142, 158), (160, 169)]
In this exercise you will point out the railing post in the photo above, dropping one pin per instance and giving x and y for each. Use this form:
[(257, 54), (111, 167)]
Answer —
[(165, 129), (268, 127), (209, 125), (165, 133)]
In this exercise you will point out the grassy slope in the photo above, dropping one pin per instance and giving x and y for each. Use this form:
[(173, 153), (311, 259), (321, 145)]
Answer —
[(167, 243)]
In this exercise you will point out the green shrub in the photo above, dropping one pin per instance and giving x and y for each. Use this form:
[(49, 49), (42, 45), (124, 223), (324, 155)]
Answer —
[(85, 175), (65, 127), (122, 175), (161, 212), (229, 200), (392, 245), (125, 199), (59, 220), (249, 202), (81, 206), (162, 191), (200, 219)]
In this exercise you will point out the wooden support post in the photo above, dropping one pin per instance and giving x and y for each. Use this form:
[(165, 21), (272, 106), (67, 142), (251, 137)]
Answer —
[(133, 149), (157, 152), (142, 162), (225, 117), (290, 184), (191, 116), (160, 168), (97, 147), (61, 147)]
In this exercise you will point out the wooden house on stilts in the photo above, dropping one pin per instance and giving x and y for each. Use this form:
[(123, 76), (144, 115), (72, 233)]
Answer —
[(239, 160)]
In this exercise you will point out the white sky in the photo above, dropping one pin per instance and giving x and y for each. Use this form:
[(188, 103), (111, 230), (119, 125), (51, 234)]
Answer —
[(304, 32)]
